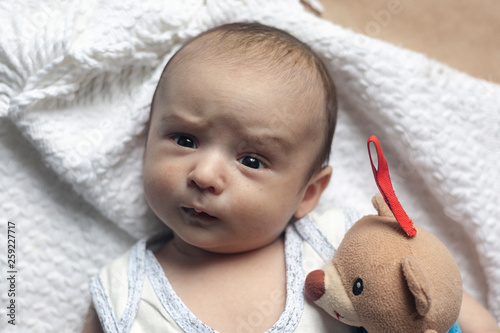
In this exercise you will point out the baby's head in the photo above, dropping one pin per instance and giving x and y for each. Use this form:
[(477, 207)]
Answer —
[(241, 127)]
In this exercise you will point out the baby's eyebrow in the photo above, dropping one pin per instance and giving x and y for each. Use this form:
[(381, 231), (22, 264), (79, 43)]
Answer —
[(176, 119), (265, 140)]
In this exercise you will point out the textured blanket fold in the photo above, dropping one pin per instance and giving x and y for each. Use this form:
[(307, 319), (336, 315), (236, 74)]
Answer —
[(77, 78)]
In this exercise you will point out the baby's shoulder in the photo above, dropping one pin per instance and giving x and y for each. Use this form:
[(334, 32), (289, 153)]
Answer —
[(331, 223), (113, 286), (327, 226), (116, 270), (321, 234), (129, 267)]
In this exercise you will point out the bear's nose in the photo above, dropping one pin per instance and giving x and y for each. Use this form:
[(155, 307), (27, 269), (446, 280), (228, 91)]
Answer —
[(315, 285)]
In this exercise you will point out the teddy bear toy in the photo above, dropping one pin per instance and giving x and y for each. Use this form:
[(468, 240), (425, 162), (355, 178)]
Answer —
[(389, 275)]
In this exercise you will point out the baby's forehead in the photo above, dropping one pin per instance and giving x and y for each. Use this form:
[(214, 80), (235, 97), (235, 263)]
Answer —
[(296, 82), (273, 64)]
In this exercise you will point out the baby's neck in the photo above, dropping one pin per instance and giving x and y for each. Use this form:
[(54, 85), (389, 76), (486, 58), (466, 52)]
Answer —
[(208, 282), (189, 252), (186, 251)]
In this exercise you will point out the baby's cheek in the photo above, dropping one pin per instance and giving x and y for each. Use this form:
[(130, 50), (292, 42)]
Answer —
[(159, 181), (153, 181), (150, 189), (160, 170)]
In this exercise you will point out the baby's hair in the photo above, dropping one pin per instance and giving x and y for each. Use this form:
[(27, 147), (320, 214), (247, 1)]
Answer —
[(256, 43)]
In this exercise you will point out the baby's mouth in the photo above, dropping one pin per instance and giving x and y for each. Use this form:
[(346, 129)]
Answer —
[(197, 213)]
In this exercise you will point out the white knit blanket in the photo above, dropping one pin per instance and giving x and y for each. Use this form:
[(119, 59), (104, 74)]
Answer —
[(76, 81)]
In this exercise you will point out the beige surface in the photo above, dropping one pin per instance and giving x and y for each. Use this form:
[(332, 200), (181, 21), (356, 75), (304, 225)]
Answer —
[(464, 34)]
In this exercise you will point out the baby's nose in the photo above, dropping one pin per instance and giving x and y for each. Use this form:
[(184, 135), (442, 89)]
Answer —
[(315, 285), (208, 173)]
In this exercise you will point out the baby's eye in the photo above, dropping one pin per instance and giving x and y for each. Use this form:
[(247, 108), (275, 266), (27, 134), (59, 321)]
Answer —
[(251, 162), (185, 141)]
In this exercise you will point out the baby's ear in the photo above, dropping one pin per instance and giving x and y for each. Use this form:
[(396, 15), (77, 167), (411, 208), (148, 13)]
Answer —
[(313, 191)]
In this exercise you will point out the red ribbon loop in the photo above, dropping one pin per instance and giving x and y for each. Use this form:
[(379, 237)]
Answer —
[(383, 180)]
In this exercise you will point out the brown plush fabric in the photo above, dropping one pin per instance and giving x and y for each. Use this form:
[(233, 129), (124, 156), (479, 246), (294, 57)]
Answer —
[(408, 284)]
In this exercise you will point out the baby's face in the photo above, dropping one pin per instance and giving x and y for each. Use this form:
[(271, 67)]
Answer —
[(228, 155)]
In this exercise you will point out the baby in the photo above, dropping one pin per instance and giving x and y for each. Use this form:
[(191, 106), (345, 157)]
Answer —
[(240, 133)]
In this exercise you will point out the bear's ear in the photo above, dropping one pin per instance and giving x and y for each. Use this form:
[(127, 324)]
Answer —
[(381, 206), (418, 284)]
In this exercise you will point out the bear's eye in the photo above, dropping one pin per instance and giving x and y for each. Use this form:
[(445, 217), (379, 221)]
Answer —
[(357, 287)]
